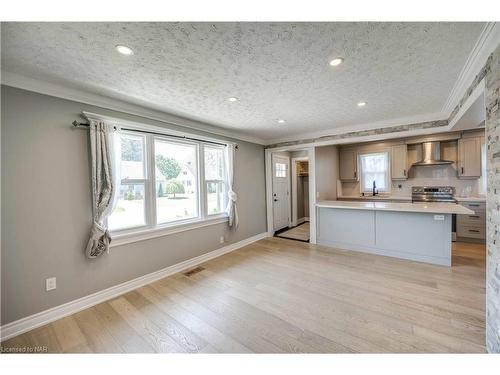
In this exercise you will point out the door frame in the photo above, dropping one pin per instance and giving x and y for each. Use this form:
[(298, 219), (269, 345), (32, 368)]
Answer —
[(312, 189), (288, 182), (293, 173)]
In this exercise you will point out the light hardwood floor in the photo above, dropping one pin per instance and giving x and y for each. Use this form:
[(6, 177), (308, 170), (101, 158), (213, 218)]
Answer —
[(284, 296)]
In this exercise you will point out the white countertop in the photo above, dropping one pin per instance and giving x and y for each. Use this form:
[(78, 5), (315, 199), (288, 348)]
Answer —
[(400, 198), (470, 199), (434, 208), (375, 198)]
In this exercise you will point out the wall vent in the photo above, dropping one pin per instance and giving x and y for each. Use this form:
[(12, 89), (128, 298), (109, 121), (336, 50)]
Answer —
[(193, 271)]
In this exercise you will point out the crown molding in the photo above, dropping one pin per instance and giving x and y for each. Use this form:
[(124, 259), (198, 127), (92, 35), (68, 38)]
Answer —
[(81, 96), (360, 127), (485, 45), (476, 93)]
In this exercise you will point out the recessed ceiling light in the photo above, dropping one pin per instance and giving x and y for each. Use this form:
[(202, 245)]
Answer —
[(281, 121), (361, 104), (232, 99), (124, 50), (337, 61)]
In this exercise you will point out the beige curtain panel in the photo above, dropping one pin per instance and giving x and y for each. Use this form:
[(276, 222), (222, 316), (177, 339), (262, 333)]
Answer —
[(104, 185), (231, 209)]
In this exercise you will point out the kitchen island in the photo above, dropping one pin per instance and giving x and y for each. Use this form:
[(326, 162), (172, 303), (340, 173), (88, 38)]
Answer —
[(415, 231)]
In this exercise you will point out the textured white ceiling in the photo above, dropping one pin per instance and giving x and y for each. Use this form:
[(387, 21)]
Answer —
[(277, 70)]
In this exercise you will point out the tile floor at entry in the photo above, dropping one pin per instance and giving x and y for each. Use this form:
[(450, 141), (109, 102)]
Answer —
[(300, 232)]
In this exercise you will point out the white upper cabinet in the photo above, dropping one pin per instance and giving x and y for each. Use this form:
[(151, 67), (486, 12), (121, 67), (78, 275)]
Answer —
[(469, 158), (399, 162), (348, 165)]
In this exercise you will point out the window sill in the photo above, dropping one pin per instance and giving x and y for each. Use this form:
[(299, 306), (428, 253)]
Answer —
[(120, 239)]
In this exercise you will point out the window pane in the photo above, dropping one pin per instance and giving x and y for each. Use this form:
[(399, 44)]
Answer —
[(129, 211), (215, 197), (214, 163), (280, 170), (176, 181), (132, 151), (375, 167)]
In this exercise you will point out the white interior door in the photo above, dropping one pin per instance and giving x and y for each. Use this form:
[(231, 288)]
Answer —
[(281, 186)]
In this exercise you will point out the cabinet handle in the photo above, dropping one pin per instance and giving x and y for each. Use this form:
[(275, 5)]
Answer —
[(476, 216), (462, 170), (355, 174), (473, 205), (473, 230), (404, 172)]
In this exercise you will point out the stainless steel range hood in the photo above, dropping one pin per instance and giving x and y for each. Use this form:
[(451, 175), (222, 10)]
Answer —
[(431, 155)]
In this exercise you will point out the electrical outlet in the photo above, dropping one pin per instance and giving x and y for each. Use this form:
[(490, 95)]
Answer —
[(50, 283), (222, 239)]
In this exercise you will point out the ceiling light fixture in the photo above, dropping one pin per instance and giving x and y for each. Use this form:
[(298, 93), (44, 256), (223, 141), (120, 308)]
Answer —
[(361, 104), (232, 99), (337, 61), (281, 121), (124, 50)]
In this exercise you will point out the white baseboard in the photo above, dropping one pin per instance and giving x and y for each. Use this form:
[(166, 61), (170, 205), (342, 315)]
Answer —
[(44, 317)]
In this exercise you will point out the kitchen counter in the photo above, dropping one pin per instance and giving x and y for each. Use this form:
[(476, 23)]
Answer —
[(374, 198), (434, 208), (471, 199), (414, 231), (400, 198)]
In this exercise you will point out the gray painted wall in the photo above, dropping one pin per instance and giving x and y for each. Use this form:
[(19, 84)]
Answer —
[(46, 212), (327, 172)]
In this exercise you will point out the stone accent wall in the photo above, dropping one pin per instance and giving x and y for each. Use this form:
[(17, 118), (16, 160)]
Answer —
[(492, 124), (364, 133)]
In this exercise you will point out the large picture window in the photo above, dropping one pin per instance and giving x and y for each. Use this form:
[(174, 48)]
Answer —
[(374, 169), (167, 182)]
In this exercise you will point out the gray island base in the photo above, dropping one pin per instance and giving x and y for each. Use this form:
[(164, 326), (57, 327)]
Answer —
[(414, 231)]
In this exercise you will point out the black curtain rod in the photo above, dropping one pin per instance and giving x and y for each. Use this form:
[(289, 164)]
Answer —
[(76, 124)]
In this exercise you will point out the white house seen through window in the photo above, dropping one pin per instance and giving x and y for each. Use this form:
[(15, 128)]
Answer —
[(374, 169), (166, 182)]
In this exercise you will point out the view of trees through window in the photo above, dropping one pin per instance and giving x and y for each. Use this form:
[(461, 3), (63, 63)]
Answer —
[(174, 193), (130, 209), (176, 181)]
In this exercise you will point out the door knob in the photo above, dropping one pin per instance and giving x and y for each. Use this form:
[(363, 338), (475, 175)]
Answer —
[(275, 200)]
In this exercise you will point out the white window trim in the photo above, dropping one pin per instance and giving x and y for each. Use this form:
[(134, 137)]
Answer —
[(146, 232), (388, 180), (149, 231)]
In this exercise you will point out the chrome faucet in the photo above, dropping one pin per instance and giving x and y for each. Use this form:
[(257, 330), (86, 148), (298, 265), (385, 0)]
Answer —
[(374, 189)]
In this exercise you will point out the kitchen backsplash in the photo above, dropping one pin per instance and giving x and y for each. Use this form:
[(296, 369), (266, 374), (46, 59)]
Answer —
[(438, 175)]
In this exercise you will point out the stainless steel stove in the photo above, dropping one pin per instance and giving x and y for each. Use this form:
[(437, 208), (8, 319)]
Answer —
[(433, 194)]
